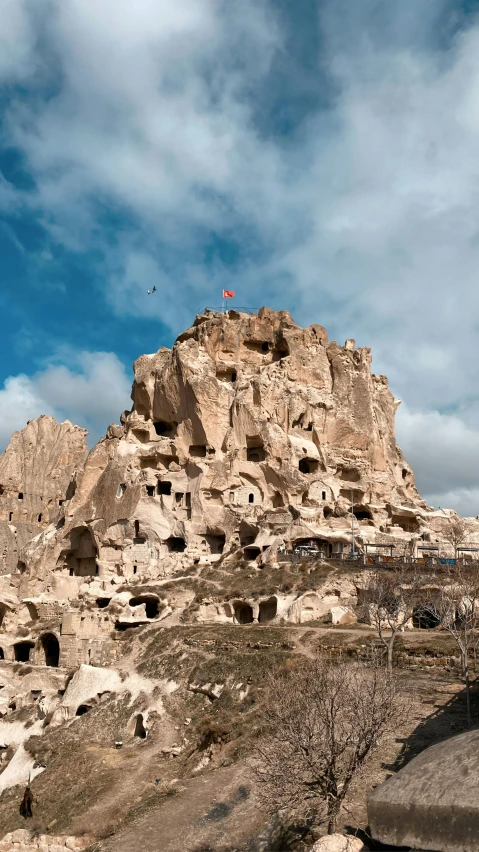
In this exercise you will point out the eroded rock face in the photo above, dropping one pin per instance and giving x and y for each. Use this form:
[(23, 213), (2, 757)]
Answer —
[(251, 436), (249, 432), (38, 474)]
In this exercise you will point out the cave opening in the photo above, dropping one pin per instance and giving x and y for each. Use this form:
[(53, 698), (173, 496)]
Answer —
[(140, 730), (198, 451), (307, 465), (163, 429), (152, 607), (176, 544), (267, 610), (51, 649), (22, 651), (243, 613)]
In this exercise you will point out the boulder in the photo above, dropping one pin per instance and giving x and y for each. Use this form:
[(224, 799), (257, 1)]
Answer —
[(342, 615), (339, 843), (433, 802)]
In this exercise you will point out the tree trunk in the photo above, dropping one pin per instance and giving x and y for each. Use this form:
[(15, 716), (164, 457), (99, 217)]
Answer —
[(390, 647), (332, 823), (333, 810), (465, 669)]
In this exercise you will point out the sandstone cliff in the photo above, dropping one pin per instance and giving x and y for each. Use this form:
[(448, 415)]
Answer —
[(250, 432), (251, 437), (38, 474)]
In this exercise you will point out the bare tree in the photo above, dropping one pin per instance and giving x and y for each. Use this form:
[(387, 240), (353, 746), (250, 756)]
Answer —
[(451, 601), (456, 531), (319, 726), (388, 603)]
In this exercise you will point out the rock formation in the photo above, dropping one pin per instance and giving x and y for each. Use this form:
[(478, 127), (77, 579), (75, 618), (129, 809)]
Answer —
[(249, 437), (38, 474), (250, 432), (248, 440)]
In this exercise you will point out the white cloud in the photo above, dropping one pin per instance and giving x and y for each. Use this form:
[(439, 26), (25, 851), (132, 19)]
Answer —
[(444, 454), (366, 219), (17, 41), (92, 395)]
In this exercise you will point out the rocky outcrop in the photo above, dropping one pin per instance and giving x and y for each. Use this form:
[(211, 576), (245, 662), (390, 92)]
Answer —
[(339, 843), (39, 469), (23, 840), (38, 476), (249, 438), (249, 433)]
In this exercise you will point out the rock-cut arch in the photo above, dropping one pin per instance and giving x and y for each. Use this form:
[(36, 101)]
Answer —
[(51, 649)]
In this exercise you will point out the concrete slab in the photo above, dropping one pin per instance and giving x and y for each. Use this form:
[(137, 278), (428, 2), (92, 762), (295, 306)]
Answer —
[(433, 803)]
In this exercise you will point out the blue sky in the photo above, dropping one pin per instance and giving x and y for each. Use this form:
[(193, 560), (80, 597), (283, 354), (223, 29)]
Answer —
[(315, 155)]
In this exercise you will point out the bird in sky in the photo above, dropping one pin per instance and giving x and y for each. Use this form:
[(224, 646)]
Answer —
[(151, 291)]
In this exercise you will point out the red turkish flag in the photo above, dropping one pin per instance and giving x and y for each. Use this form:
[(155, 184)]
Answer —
[(228, 294)]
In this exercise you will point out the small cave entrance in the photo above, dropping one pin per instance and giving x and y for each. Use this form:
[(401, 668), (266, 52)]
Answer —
[(281, 350), (82, 709), (277, 500), (51, 649), (255, 449), (2, 654), (243, 613), (22, 651), (140, 730), (312, 547), (252, 551), (176, 544), (261, 346), (164, 488), (247, 534), (164, 429), (150, 490), (425, 618), (216, 543), (225, 375), (102, 603), (82, 553), (307, 465), (362, 514), (197, 451), (152, 605), (267, 610), (407, 524), (350, 474), (3, 610)]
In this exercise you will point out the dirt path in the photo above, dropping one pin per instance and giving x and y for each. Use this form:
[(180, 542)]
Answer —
[(137, 767), (212, 811)]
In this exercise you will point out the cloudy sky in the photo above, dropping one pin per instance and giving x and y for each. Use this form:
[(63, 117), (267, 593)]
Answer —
[(315, 155)]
